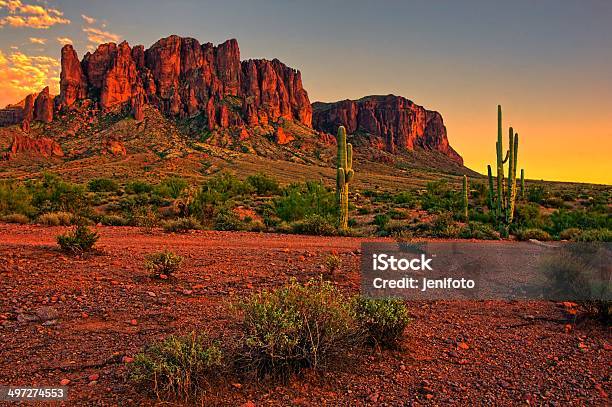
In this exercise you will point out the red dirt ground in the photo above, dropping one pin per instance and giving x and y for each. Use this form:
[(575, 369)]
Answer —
[(517, 352)]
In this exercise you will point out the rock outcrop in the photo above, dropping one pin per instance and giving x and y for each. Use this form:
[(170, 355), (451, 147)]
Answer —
[(184, 78), (43, 106), (34, 107), (43, 147), (397, 121)]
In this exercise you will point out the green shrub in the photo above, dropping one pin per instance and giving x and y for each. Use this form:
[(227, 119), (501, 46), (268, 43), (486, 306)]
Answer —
[(528, 216), (55, 219), (219, 189), (439, 197), (181, 225), (177, 367), (564, 219), (332, 263), (114, 220), (405, 198), (296, 326), (444, 226), (594, 235), (382, 321), (226, 219), (299, 201), (170, 187), (15, 198), (537, 234), (314, 225), (263, 184), (477, 230), (138, 187), (381, 220), (102, 185), (536, 193), (52, 194), (569, 234), (81, 239), (164, 263), (15, 218)]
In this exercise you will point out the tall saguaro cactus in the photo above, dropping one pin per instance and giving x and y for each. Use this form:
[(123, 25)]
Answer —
[(344, 175), (465, 193), (505, 198)]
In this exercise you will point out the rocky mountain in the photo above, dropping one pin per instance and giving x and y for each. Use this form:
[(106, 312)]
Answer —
[(201, 93), (391, 122)]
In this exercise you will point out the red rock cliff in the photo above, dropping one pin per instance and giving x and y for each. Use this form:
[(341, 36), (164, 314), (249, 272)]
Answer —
[(401, 123), (182, 77)]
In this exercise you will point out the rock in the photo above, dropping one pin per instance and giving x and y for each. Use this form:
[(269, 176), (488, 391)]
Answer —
[(127, 359), (64, 382), (73, 85), (41, 147), (46, 313), (115, 147), (392, 122), (43, 106), (94, 377), (282, 137)]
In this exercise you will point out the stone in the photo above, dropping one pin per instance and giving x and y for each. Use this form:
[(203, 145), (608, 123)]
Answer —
[(73, 84), (43, 106)]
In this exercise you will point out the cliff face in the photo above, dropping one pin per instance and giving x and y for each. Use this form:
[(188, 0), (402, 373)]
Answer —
[(183, 78), (400, 123)]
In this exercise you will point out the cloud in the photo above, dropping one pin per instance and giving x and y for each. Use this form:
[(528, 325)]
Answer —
[(22, 74), (88, 20), (64, 40), (30, 15), (98, 36), (41, 41)]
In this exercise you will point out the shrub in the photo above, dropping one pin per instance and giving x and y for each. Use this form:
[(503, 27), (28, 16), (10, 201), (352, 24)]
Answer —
[(15, 198), (332, 263), (178, 366), (477, 230), (220, 188), (440, 198), (102, 185), (537, 234), (15, 218), (382, 321), (55, 219), (381, 221), (528, 215), (181, 225), (170, 187), (302, 200), (81, 239), (564, 219), (405, 198), (52, 194), (263, 184), (594, 235), (163, 263), (226, 219), (569, 234), (296, 326), (138, 187), (314, 225), (114, 220), (536, 193), (444, 226)]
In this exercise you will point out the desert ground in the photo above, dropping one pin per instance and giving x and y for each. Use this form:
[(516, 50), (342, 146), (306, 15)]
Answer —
[(83, 318)]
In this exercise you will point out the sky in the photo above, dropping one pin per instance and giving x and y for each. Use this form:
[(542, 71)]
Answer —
[(548, 63)]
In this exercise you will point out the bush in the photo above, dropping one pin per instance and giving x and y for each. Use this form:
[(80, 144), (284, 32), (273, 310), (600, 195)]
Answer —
[(594, 235), (220, 188), (81, 239), (114, 220), (405, 198), (102, 185), (565, 219), (55, 219), (15, 198), (332, 263), (303, 200), (263, 184), (444, 226), (528, 216), (181, 225), (569, 234), (52, 194), (170, 187), (477, 230), (138, 187), (314, 225), (440, 198), (164, 263), (178, 366), (537, 234), (382, 321), (226, 219), (536, 193), (295, 327), (15, 218)]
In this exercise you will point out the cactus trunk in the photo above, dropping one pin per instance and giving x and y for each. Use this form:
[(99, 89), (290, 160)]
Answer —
[(522, 184), (465, 198), (344, 174), (491, 192)]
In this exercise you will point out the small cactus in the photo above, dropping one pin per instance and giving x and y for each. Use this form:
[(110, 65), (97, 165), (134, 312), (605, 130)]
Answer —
[(344, 175)]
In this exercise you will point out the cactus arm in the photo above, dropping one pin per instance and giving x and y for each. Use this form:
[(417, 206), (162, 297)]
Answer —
[(514, 163)]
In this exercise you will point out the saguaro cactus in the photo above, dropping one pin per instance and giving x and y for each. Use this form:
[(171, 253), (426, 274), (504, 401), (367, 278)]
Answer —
[(465, 193), (505, 198), (522, 184), (344, 175)]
